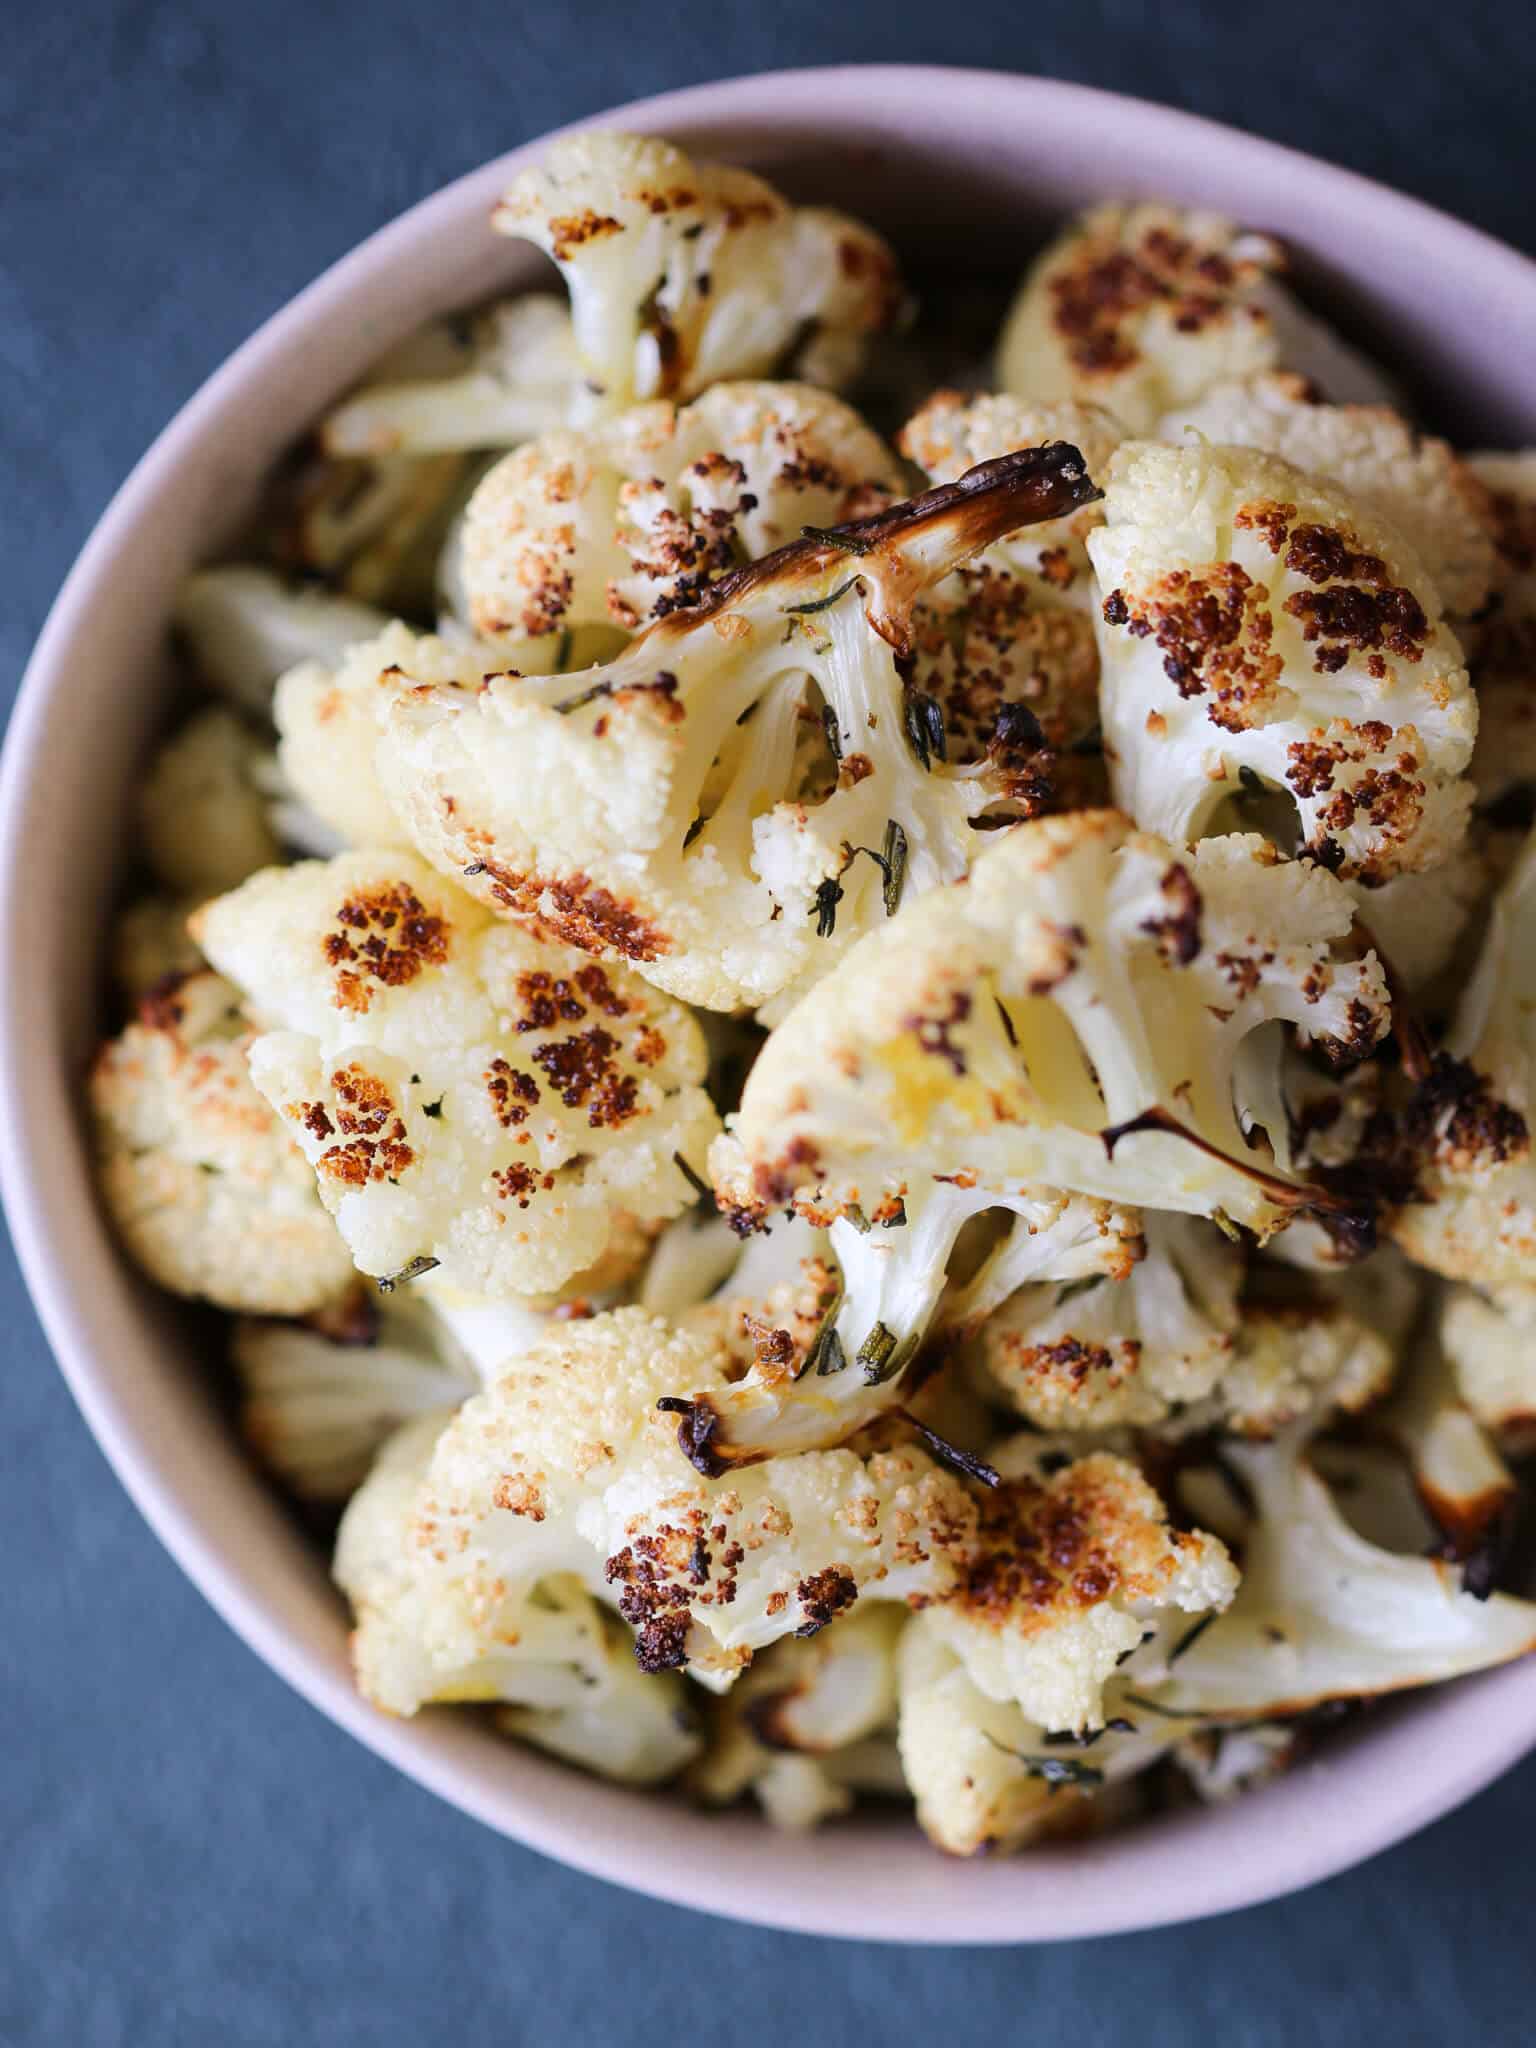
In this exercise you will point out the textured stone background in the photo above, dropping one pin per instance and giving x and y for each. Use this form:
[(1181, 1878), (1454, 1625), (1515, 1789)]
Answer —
[(191, 1854)]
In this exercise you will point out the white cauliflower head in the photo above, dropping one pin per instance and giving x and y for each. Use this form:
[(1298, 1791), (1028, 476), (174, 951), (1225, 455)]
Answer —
[(1076, 1015), (955, 430), (1066, 1579), (1491, 1347), (202, 813), (986, 1779), (1324, 1614), (319, 1397), (682, 274), (1467, 1130), (1260, 630), (660, 810), (1416, 483), (243, 626), (809, 1724), (1099, 1352), (488, 381), (207, 1191), (1137, 308), (575, 1445), (639, 516), (535, 1637), (329, 714), (469, 1095)]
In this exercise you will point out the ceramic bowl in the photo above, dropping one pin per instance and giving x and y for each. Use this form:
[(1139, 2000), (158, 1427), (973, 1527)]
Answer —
[(945, 161)]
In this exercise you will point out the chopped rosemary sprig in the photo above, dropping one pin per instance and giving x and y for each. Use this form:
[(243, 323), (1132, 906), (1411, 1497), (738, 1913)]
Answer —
[(581, 697), (412, 1271), (833, 731), (923, 717), (1136, 1699), (824, 909), (821, 604), (1054, 1771), (694, 830), (700, 1186), (1190, 1637), (563, 650), (877, 1356), (847, 543), (1075, 1287), (895, 860)]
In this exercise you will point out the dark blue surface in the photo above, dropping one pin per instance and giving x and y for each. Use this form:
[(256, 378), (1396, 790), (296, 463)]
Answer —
[(191, 1854)]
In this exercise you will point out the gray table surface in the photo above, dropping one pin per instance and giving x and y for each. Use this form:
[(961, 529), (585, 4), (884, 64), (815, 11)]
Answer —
[(190, 1853)]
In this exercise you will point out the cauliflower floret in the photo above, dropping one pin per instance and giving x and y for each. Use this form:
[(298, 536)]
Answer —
[(656, 811), (1143, 307), (1503, 646), (1137, 308), (1322, 1614), (1417, 484), (635, 1727), (1491, 1347), (808, 1725), (986, 1779), (1468, 1126), (329, 715), (1067, 1578), (207, 1192), (321, 1396), (1465, 1487), (243, 626), (682, 274), (1221, 1763), (499, 378), (1075, 1016), (201, 812), (638, 517), (470, 1095), (1262, 629), (432, 1624), (954, 431), (574, 1443), (373, 528), (826, 1354), (1419, 921), (151, 944), (1099, 1352)]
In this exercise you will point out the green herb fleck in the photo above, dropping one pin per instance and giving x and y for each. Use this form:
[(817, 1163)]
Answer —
[(822, 604), (581, 697), (833, 731), (412, 1271), (924, 720), (830, 536)]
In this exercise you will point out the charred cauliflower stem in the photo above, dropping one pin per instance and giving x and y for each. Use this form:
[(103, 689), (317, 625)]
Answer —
[(853, 1053)]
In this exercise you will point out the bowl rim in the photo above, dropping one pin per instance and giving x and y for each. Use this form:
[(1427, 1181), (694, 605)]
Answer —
[(1121, 1882)]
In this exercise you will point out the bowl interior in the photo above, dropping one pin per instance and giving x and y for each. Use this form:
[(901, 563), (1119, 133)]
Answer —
[(964, 171)]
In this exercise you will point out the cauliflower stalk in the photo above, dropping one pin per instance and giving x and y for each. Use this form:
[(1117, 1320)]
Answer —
[(207, 1190), (469, 1095), (683, 274), (244, 626), (1261, 630), (1323, 1614), (657, 809), (1491, 1348)]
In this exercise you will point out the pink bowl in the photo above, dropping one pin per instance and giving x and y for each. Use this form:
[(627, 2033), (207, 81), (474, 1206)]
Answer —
[(920, 151)]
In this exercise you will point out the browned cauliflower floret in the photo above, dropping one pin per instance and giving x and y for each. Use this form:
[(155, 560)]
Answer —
[(207, 1190), (1260, 630), (470, 1095), (1142, 307), (682, 274), (656, 809), (1418, 484), (638, 517)]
